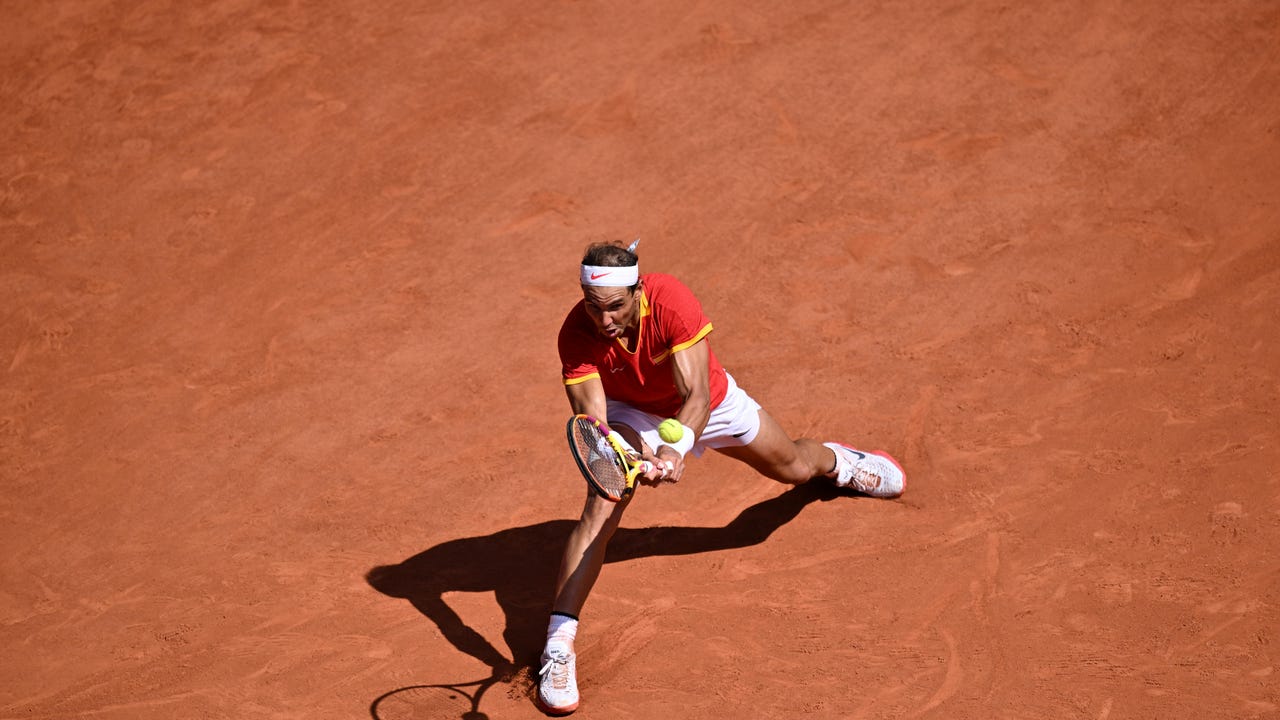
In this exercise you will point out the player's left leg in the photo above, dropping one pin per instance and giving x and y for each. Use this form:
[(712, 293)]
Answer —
[(775, 455)]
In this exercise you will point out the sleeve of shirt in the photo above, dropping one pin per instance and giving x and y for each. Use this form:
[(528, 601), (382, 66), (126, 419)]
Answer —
[(681, 317), (576, 363)]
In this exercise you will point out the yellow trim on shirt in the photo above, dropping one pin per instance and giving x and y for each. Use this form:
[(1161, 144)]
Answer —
[(584, 378), (693, 341)]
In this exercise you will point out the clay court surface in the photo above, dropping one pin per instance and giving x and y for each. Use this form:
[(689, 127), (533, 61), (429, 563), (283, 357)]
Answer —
[(281, 426)]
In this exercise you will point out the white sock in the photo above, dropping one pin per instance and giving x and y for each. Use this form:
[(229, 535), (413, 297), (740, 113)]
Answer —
[(835, 471), (563, 628)]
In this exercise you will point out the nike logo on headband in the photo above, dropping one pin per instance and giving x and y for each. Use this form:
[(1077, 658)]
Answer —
[(597, 277)]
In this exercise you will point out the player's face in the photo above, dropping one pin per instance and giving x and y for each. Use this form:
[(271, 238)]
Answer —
[(612, 309)]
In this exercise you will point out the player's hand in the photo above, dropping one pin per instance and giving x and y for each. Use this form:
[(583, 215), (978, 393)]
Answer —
[(661, 472), (666, 457)]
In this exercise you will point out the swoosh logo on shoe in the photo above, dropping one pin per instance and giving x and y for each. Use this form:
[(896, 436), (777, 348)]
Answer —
[(594, 276)]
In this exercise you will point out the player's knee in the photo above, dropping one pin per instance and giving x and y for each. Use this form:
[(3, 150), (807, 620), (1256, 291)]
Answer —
[(793, 472)]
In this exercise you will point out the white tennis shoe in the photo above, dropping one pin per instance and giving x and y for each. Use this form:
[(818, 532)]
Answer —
[(558, 679), (873, 473)]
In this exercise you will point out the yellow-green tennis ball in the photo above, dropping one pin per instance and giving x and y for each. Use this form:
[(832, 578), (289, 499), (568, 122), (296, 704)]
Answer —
[(670, 430)]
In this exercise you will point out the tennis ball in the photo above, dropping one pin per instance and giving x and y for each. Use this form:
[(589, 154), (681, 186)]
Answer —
[(670, 430)]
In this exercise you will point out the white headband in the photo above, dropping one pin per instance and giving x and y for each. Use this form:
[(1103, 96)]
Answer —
[(599, 276)]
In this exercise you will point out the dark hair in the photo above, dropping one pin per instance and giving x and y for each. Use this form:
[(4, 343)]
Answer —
[(609, 254)]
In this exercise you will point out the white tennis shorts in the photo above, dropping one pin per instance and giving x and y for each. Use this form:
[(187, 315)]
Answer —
[(733, 423)]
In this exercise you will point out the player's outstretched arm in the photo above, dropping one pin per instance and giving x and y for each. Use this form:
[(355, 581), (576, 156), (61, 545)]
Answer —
[(691, 371), (587, 398)]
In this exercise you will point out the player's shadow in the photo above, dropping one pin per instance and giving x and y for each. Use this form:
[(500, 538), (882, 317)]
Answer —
[(519, 566)]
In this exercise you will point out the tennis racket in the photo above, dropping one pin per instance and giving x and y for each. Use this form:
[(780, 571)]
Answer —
[(609, 467)]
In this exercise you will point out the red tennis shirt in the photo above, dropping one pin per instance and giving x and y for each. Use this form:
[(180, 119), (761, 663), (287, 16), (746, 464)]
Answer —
[(671, 319)]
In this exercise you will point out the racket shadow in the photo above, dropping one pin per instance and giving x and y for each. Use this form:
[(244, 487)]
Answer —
[(433, 702), (519, 566)]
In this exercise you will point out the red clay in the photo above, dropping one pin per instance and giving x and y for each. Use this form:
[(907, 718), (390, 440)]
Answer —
[(280, 417)]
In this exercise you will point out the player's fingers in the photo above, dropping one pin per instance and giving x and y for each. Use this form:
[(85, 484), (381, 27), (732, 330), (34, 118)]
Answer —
[(660, 472), (670, 458), (651, 473), (677, 470), (665, 471)]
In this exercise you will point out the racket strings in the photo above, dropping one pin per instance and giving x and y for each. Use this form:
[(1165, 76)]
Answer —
[(600, 459)]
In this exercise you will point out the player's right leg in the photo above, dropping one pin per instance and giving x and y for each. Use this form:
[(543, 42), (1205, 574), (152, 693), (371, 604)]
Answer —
[(584, 552), (579, 568)]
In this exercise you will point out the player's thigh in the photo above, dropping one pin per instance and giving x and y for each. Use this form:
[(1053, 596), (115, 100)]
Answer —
[(601, 516), (772, 453), (628, 433)]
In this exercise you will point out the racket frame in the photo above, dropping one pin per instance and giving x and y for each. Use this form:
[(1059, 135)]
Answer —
[(622, 458)]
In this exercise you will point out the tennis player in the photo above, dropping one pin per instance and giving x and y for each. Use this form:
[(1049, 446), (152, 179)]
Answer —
[(634, 351)]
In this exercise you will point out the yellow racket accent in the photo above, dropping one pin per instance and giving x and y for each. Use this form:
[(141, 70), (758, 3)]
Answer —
[(609, 467)]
